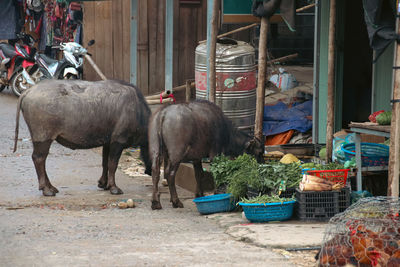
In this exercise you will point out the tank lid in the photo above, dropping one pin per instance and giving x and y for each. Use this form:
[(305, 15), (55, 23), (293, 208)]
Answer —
[(227, 49)]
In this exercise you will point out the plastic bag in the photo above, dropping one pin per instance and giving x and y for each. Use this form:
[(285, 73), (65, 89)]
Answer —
[(284, 80), (338, 142)]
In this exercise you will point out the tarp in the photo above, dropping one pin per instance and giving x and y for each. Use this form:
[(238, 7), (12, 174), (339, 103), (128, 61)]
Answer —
[(280, 118), (267, 8), (380, 17)]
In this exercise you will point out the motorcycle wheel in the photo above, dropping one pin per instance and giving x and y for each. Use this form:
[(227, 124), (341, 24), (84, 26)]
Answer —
[(2, 87), (18, 83), (70, 77)]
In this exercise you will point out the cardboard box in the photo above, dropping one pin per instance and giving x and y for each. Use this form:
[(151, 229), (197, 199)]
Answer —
[(369, 138), (342, 132), (185, 178), (365, 138)]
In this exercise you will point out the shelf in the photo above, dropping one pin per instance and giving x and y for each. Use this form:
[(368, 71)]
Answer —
[(371, 169)]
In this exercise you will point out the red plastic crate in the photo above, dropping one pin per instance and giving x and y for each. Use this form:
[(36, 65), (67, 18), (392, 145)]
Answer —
[(336, 176)]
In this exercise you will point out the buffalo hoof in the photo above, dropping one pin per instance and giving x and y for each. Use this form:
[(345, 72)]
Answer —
[(156, 205), (115, 191), (48, 192), (102, 185), (177, 204), (55, 190)]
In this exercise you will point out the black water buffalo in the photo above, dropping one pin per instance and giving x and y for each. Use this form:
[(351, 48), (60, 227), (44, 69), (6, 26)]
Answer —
[(82, 115), (190, 132)]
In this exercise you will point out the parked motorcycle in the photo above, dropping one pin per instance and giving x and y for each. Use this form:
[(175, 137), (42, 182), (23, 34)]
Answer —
[(69, 67), (14, 58)]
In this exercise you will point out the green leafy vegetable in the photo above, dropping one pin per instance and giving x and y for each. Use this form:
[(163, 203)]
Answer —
[(266, 199), (328, 166), (384, 118), (244, 172)]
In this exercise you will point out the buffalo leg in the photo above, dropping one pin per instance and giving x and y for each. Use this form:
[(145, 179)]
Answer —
[(113, 158), (144, 154), (167, 170), (39, 155), (155, 175), (198, 174), (176, 203), (104, 176)]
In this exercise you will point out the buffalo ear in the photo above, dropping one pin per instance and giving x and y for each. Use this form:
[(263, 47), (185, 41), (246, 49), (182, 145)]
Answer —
[(256, 148), (250, 145)]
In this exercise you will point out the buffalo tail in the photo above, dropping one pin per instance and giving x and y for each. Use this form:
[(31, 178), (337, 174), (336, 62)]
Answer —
[(17, 122)]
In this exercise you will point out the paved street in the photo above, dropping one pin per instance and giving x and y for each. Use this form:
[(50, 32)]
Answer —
[(81, 225)]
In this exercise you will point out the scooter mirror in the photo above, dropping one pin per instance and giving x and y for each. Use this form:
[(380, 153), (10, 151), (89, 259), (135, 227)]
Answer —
[(91, 42)]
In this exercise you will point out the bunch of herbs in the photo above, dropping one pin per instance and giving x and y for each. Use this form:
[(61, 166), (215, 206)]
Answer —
[(244, 173), (266, 199)]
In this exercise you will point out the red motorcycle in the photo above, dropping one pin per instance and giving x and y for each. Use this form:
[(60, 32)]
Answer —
[(15, 59)]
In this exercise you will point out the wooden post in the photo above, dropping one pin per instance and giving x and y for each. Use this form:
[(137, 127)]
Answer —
[(188, 90), (331, 81), (262, 70), (95, 67), (254, 24), (234, 31), (133, 41), (169, 44), (211, 50), (394, 154)]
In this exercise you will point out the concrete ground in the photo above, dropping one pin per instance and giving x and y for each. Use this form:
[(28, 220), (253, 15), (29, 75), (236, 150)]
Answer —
[(82, 226)]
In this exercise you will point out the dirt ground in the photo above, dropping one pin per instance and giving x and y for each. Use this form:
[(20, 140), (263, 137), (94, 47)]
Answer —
[(132, 166), (82, 225)]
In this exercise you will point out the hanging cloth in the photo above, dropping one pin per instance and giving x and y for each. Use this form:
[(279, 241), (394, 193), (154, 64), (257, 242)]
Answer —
[(8, 20), (380, 17), (267, 8)]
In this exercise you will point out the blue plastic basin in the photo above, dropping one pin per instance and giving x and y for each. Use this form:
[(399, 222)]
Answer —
[(264, 212), (214, 203)]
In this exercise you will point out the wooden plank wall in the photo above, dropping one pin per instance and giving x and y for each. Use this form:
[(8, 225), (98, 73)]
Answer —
[(108, 22), (151, 46), (190, 26)]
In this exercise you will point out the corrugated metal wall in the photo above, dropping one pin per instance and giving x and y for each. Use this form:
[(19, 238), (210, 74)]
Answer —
[(382, 80), (382, 73)]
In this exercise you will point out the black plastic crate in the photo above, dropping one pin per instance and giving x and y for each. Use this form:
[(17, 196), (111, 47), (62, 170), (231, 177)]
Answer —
[(344, 198), (316, 205), (288, 193), (252, 192)]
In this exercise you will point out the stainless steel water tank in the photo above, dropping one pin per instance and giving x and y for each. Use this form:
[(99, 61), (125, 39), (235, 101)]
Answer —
[(236, 80)]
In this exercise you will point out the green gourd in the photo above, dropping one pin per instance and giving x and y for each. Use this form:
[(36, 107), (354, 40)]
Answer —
[(384, 118)]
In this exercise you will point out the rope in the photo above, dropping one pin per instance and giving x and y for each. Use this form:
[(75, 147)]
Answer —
[(168, 96)]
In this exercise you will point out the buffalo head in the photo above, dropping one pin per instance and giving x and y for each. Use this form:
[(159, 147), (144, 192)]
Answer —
[(255, 147)]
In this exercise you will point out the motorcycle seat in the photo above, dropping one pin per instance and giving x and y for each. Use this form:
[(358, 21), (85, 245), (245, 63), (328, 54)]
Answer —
[(8, 50), (47, 59)]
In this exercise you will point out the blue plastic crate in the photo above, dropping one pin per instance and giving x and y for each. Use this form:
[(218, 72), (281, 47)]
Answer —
[(215, 203), (264, 212)]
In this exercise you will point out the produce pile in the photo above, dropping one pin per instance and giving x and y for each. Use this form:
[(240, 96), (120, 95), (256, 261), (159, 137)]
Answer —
[(314, 183), (329, 180), (366, 234), (242, 173), (381, 117), (266, 199), (243, 177)]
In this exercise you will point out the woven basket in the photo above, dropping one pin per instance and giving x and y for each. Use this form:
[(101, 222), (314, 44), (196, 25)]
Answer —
[(265, 212), (371, 154)]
